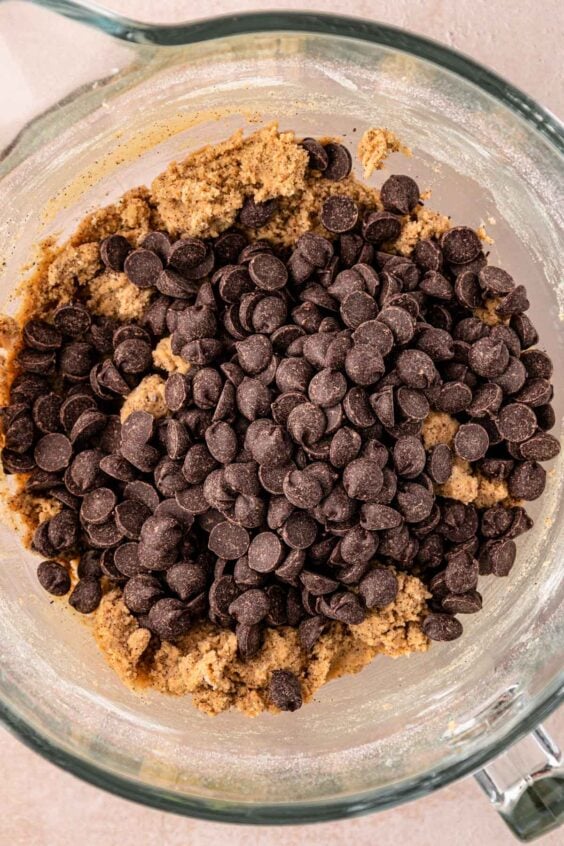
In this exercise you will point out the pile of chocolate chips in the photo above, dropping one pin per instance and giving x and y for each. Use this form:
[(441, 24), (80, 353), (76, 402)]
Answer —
[(290, 472)]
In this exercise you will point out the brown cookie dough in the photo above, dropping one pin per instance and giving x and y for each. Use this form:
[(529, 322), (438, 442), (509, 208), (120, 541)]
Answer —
[(147, 396), (438, 428), (462, 485), (165, 359), (488, 315), (205, 662), (375, 146), (202, 195)]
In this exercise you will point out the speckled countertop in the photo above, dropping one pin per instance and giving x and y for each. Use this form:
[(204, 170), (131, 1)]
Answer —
[(42, 805)]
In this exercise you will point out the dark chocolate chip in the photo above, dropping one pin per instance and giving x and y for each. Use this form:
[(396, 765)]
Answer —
[(114, 250), (339, 214), (471, 442), (284, 689), (399, 194), (381, 226), (53, 578), (86, 596), (442, 627), (460, 245), (318, 157), (339, 162)]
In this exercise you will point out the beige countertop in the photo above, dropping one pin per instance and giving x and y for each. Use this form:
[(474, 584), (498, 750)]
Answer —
[(43, 806)]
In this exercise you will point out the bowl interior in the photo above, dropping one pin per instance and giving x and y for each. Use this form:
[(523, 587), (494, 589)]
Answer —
[(397, 722)]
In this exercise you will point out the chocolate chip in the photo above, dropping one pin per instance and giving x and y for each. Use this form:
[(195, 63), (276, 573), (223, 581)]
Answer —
[(527, 333), (344, 607), (86, 596), (461, 573), (126, 559), (301, 489), (471, 442), (488, 358), (357, 408), (501, 556), (53, 452), (514, 302), (409, 456), (254, 354), (316, 584), (53, 578), (118, 468), (339, 214), (327, 388), (157, 242), (169, 618), (228, 541), (537, 364), (89, 424), (339, 162), (265, 552), (244, 576), (535, 392), (186, 580), (142, 267), (381, 226), (486, 400), (345, 446), (299, 531), (358, 307), (318, 155), (284, 689), (250, 607), (358, 546), (517, 422), (141, 592), (364, 364), (416, 369), (540, 447), (454, 397), (378, 588), (527, 481), (114, 251), (268, 272), (72, 320), (130, 517), (41, 335), (439, 464), (362, 479), (460, 245), (442, 627), (310, 630), (221, 442), (412, 403), (98, 505), (415, 502), (255, 215)]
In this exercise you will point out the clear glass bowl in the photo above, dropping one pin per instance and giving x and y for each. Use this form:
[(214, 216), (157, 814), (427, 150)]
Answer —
[(399, 729)]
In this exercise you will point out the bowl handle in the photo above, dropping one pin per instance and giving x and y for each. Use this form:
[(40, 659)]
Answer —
[(526, 785)]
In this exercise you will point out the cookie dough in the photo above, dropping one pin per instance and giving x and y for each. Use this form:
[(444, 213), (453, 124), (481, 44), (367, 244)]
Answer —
[(165, 359), (205, 662), (438, 428), (375, 146), (201, 196), (147, 396), (487, 313)]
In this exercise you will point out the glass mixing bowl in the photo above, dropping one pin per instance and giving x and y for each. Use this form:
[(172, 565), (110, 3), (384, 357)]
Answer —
[(399, 729)]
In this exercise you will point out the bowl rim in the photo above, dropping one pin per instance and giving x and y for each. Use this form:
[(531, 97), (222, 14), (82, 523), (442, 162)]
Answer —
[(175, 35)]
